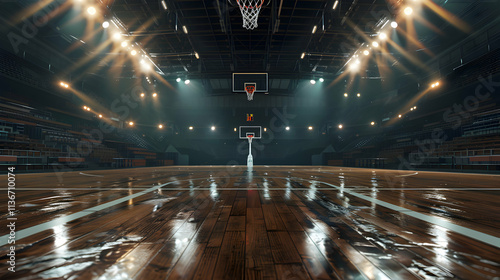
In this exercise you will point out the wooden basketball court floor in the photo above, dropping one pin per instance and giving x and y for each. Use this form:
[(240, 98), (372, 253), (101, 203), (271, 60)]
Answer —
[(280, 222)]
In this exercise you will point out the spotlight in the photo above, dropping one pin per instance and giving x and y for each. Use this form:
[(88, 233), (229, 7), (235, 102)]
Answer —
[(314, 29), (310, 128), (160, 126), (372, 123), (212, 128), (357, 61), (88, 108), (164, 4), (382, 36), (375, 44), (84, 107), (235, 129), (399, 116), (321, 80), (117, 36), (191, 128), (184, 28), (133, 52), (105, 24), (178, 80), (287, 128), (187, 82), (394, 24), (346, 95), (155, 94), (433, 85), (91, 11), (366, 52), (312, 82), (415, 108), (358, 95), (124, 44), (265, 129), (340, 126), (335, 4), (142, 95), (196, 55), (131, 123), (302, 55), (100, 116), (437, 83), (408, 11), (411, 109)]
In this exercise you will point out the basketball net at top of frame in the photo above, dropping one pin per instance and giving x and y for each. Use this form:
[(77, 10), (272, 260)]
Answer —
[(250, 12), (250, 90)]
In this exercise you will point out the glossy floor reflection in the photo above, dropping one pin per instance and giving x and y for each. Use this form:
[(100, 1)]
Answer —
[(272, 223)]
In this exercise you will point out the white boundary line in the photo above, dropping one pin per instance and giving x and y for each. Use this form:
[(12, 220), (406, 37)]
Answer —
[(483, 237)]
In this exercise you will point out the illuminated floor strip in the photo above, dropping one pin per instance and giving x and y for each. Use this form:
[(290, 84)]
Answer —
[(483, 237)]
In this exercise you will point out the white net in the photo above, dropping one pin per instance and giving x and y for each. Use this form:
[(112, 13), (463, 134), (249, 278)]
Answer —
[(250, 11)]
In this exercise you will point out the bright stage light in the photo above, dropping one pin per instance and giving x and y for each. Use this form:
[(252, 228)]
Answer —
[(408, 11), (302, 55), (155, 94), (142, 94), (164, 4), (235, 129), (160, 126), (312, 82), (394, 24), (340, 126), (399, 116), (314, 29), (191, 128), (187, 82), (372, 123), (184, 28), (265, 129), (366, 52), (91, 11), (105, 24), (196, 55), (117, 36), (411, 109), (131, 123), (100, 116), (178, 80), (84, 107), (310, 128), (88, 108), (133, 52), (212, 128), (346, 95), (382, 36), (321, 80), (124, 44), (287, 128), (375, 44), (358, 95), (335, 4)]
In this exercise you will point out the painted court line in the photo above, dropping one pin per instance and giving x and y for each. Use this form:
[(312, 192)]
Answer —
[(64, 219), (259, 189), (483, 237)]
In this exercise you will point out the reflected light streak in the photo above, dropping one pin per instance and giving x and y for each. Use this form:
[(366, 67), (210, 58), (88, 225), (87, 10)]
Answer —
[(451, 18)]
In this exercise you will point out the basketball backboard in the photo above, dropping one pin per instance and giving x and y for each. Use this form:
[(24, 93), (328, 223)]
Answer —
[(240, 80), (255, 131)]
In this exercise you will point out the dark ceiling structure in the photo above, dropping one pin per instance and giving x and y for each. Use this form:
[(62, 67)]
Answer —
[(206, 40)]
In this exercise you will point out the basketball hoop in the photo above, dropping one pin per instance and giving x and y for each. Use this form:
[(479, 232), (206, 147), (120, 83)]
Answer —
[(250, 12), (250, 90), (250, 137)]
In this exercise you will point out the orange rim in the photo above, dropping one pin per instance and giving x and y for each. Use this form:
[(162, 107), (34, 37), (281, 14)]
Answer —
[(261, 3)]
